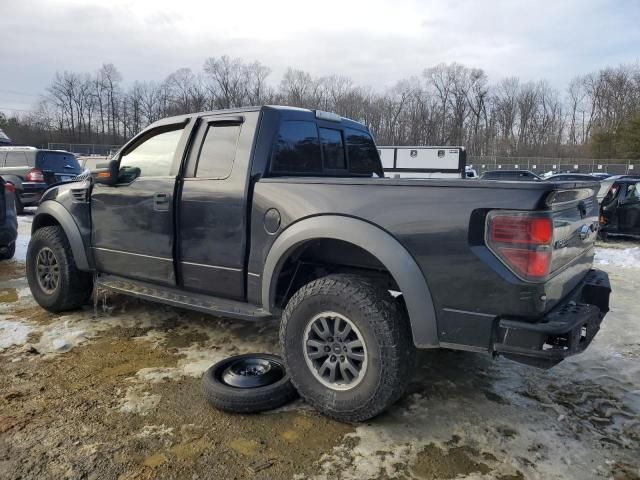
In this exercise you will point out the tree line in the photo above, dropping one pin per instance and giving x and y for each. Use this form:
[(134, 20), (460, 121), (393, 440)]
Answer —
[(598, 114)]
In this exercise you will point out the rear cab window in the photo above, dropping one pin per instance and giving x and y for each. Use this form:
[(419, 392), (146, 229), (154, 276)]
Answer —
[(306, 148), (218, 151)]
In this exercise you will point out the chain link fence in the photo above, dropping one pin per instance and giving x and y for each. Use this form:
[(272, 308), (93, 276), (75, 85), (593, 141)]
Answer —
[(85, 148), (540, 165)]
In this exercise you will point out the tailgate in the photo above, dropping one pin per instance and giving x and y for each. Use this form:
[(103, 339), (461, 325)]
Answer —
[(575, 223)]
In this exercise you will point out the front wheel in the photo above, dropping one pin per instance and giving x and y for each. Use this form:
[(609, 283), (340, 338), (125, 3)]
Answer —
[(54, 280), (347, 346)]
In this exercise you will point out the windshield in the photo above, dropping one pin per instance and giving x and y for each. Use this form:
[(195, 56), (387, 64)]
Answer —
[(58, 162)]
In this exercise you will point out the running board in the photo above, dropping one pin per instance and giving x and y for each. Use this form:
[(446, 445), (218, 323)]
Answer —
[(180, 298)]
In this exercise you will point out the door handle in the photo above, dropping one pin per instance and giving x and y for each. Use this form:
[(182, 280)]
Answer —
[(161, 198), (161, 201)]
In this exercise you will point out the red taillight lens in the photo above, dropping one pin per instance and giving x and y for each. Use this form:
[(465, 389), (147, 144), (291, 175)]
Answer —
[(9, 187), (521, 230), (522, 241), (528, 263), (34, 175)]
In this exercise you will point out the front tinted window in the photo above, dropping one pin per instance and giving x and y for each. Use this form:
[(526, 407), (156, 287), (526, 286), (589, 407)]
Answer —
[(297, 149), (218, 151), (363, 155), (151, 158), (16, 159), (58, 162), (332, 149)]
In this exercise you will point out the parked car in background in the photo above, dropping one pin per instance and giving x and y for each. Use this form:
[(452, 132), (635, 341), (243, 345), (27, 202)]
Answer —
[(602, 175), (33, 170), (270, 211), (8, 220), (511, 175), (470, 172), (571, 177), (620, 207), (92, 162)]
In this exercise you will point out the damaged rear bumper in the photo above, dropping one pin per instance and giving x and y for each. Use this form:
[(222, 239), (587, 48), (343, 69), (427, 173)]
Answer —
[(566, 330)]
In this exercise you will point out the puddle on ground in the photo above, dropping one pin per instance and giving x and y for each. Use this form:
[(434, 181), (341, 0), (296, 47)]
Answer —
[(8, 295), (433, 462)]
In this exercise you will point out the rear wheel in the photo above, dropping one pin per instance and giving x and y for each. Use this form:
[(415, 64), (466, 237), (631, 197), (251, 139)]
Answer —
[(347, 345), (54, 280)]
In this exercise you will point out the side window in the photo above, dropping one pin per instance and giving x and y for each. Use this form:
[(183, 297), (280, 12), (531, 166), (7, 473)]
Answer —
[(332, 149), (297, 149), (218, 151), (151, 158), (16, 159), (363, 155), (633, 192)]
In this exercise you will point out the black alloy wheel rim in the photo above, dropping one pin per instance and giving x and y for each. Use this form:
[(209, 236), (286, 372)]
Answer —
[(47, 270)]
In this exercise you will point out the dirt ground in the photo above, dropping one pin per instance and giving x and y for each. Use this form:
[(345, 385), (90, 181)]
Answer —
[(117, 396)]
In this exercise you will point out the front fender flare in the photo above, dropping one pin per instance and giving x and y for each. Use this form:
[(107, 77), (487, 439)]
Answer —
[(71, 230), (377, 242)]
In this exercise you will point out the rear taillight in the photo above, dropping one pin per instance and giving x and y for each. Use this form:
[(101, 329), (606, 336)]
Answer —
[(34, 175), (523, 241), (9, 187)]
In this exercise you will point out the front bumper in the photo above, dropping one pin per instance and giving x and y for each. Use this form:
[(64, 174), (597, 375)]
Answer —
[(566, 330)]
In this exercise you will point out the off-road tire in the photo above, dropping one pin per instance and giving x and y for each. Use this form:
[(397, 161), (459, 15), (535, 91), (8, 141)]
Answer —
[(245, 400), (11, 250), (384, 325), (74, 286)]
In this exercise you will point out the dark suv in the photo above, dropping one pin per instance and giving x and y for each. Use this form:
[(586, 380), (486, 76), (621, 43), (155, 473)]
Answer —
[(511, 175), (8, 221), (33, 170)]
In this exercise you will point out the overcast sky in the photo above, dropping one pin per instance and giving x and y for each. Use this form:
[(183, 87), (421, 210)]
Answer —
[(376, 42)]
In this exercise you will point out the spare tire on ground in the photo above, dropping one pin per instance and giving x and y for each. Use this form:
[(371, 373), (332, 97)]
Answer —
[(249, 383)]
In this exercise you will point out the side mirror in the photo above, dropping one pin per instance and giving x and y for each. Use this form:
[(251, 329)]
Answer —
[(107, 175)]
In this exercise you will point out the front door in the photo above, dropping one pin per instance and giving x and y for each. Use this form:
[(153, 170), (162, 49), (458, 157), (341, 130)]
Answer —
[(132, 222)]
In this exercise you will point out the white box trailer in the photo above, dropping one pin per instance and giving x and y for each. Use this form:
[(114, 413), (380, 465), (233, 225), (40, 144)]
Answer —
[(423, 162)]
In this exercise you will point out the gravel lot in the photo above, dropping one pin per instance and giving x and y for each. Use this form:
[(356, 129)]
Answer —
[(116, 396)]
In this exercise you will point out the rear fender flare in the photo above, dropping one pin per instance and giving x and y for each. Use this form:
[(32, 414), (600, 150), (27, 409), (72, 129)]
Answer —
[(63, 217), (397, 260)]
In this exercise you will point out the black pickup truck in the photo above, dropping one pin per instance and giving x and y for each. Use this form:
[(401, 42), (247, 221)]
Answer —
[(284, 212)]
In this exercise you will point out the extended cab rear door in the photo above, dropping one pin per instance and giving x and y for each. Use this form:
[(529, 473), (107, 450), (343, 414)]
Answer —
[(212, 215), (133, 221)]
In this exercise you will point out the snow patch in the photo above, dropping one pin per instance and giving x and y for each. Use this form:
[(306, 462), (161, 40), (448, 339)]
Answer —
[(22, 242), (138, 401), (624, 258), (155, 431), (13, 333)]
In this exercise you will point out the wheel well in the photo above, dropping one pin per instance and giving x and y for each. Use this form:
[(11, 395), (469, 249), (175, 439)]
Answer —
[(321, 257), (43, 220)]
